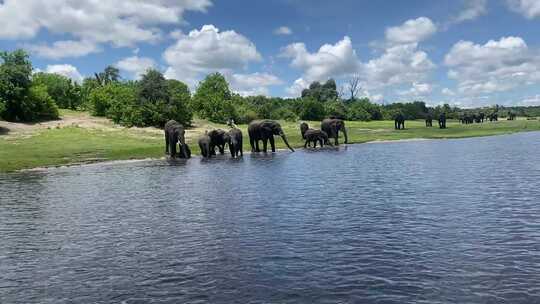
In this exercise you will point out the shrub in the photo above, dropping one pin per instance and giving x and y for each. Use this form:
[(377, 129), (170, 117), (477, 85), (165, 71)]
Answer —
[(38, 105), (63, 90), (311, 109)]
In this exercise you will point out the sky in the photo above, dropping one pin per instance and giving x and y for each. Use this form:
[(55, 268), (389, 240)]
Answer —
[(463, 52)]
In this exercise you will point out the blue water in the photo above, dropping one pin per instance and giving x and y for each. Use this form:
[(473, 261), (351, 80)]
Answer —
[(450, 221)]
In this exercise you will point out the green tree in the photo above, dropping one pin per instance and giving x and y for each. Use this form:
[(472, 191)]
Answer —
[(38, 105), (109, 75), (326, 92), (63, 90), (311, 109), (15, 82), (179, 100), (212, 100)]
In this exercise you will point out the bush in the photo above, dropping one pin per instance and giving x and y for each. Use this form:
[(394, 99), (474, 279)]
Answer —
[(38, 105), (358, 112), (65, 92), (15, 83), (311, 109)]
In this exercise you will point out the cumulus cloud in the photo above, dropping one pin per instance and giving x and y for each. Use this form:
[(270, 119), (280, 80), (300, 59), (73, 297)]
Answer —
[(530, 101), (401, 61), (528, 8), (417, 90), (120, 23), (252, 84), (492, 67), (208, 50), (283, 30), (136, 65), (448, 92), (412, 31), (67, 70), (63, 49)]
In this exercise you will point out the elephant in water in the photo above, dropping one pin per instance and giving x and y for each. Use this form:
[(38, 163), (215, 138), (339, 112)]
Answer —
[(174, 134), (204, 145), (399, 122), (235, 142), (313, 136), (218, 138), (265, 130), (442, 121), (332, 126)]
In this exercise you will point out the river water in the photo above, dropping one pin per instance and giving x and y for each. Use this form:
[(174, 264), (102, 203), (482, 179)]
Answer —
[(451, 221)]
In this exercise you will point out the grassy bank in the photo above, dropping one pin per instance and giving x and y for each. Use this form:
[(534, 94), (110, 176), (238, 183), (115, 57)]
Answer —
[(76, 143)]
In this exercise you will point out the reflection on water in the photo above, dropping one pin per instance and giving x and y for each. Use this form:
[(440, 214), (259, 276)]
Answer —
[(454, 221)]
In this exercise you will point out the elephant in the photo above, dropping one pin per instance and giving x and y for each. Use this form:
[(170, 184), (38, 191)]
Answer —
[(442, 121), (493, 117), (399, 122), (235, 142), (482, 116), (511, 116), (429, 121), (265, 130), (204, 145), (332, 126), (218, 138), (175, 133), (313, 136)]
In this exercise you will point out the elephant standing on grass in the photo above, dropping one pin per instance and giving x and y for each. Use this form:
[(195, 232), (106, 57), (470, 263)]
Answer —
[(174, 134), (399, 122), (442, 121), (332, 126), (313, 136), (429, 121), (204, 145), (218, 138), (265, 130), (235, 142)]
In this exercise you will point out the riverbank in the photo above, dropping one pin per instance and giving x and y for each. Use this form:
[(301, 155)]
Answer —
[(79, 138)]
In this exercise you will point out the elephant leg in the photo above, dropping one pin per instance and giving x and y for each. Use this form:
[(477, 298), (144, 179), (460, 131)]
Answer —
[(221, 149), (305, 144), (321, 142), (272, 143), (257, 148), (240, 147), (252, 144), (166, 144)]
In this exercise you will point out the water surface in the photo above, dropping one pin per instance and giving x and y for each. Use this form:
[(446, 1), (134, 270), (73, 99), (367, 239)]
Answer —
[(451, 221)]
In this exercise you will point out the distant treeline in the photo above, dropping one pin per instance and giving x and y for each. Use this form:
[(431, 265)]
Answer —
[(153, 100)]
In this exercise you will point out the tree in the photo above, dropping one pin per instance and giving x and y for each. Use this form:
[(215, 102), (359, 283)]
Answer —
[(63, 90), (179, 100), (212, 100), (110, 74), (353, 86), (15, 82), (311, 109)]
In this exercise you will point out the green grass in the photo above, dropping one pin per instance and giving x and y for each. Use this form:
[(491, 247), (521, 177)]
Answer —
[(69, 145)]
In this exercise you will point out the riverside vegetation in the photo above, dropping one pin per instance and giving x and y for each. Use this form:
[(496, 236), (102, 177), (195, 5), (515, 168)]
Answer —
[(133, 112)]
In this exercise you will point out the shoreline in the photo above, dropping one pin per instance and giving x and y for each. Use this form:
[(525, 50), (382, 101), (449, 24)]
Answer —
[(93, 162)]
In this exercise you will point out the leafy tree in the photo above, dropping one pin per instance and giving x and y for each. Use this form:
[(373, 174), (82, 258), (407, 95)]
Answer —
[(322, 93), (63, 90), (357, 111), (336, 109), (179, 100), (38, 105), (212, 100), (311, 109), (109, 75), (15, 82)]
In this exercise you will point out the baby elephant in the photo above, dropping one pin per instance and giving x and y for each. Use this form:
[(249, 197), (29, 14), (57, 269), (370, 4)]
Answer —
[(313, 136), (204, 145), (234, 140)]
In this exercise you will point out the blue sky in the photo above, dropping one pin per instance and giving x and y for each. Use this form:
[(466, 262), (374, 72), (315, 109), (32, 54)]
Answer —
[(468, 53)]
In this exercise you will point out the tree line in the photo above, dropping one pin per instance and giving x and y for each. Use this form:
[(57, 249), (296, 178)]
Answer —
[(152, 100)]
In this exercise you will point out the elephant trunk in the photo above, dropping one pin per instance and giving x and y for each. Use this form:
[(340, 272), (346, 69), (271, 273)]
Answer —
[(286, 142), (345, 135)]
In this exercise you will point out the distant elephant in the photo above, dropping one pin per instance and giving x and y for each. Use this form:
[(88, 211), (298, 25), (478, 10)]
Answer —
[(175, 134), (218, 138), (265, 130), (429, 121), (442, 121), (493, 117), (204, 145), (511, 116), (332, 126), (313, 136), (482, 116), (399, 122), (235, 142)]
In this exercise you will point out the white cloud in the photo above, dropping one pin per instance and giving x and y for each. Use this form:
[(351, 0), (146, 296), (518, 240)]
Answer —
[(208, 50), (473, 9), (136, 65), (296, 88), (417, 90), (63, 49), (530, 101), (448, 92), (283, 30), (67, 70), (120, 23), (412, 31), (528, 8), (252, 84), (496, 66)]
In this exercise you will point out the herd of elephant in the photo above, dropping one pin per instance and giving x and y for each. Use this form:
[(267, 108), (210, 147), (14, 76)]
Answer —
[(258, 131)]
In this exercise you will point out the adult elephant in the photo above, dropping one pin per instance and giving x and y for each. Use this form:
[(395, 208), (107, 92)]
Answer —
[(204, 145), (265, 130), (399, 122), (235, 142), (429, 120), (442, 121), (218, 138), (332, 126), (175, 134)]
